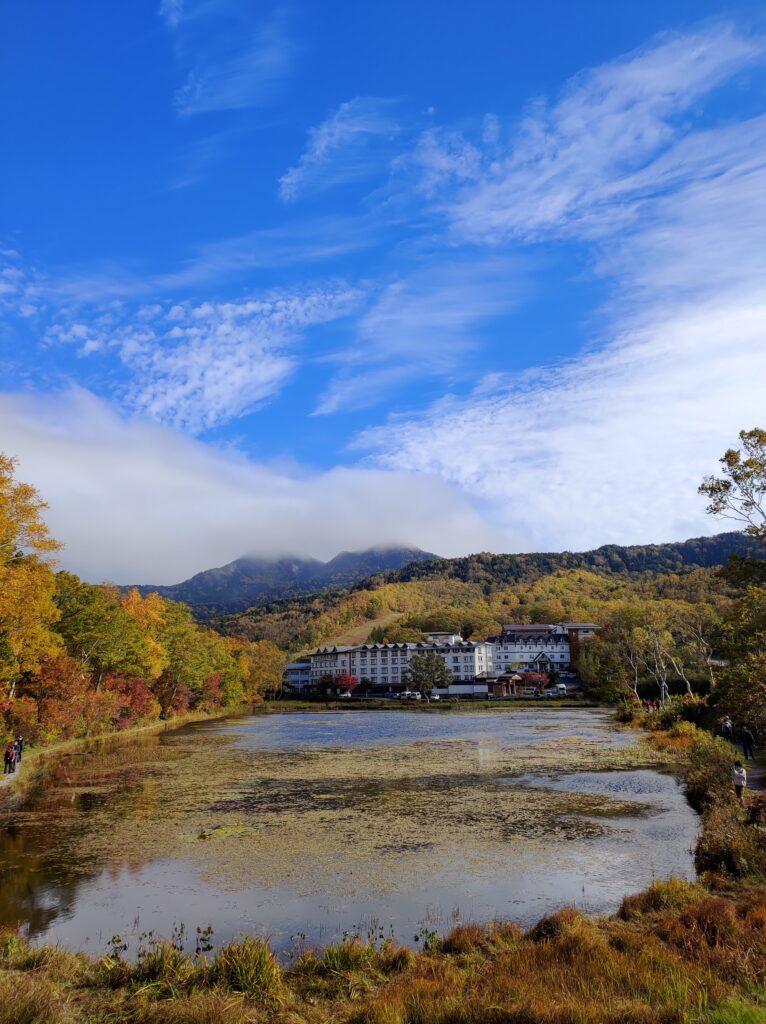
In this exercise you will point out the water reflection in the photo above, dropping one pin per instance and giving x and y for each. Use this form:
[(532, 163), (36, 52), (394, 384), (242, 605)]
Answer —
[(312, 823)]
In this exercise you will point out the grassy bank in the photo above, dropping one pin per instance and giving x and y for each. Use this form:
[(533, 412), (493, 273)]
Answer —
[(732, 842), (676, 953), (38, 761)]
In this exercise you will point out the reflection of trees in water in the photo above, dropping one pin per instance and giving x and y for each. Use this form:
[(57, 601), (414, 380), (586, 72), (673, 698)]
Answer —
[(44, 856), (33, 891)]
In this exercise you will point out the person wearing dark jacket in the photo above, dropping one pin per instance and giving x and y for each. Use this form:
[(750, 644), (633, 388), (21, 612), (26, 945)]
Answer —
[(748, 743), (19, 745), (10, 759)]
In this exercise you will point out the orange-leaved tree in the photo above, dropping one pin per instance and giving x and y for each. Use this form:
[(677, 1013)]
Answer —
[(27, 580)]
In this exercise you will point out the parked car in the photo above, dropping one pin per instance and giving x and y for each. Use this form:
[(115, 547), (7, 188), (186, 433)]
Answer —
[(529, 691), (434, 696)]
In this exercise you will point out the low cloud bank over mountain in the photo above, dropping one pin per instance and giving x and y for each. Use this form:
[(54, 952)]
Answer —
[(136, 501)]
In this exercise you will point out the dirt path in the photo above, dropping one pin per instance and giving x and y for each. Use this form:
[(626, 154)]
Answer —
[(7, 779), (756, 774)]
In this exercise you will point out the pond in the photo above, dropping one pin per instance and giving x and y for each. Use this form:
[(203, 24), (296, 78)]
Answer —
[(303, 826)]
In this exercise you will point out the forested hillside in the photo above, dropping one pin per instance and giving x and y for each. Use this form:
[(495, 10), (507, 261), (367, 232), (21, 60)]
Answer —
[(78, 659), (247, 582), (493, 571), (476, 594)]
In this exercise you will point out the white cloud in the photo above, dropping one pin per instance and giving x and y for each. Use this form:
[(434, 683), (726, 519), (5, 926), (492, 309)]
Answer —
[(172, 11), (569, 163), (236, 57), (423, 326), (611, 445), (341, 148), (443, 158), (19, 285), (197, 366), (607, 448), (136, 502)]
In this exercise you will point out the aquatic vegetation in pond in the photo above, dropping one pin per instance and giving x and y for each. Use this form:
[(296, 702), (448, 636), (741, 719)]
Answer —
[(316, 823)]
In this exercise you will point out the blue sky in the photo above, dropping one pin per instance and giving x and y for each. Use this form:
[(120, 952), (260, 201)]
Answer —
[(303, 277)]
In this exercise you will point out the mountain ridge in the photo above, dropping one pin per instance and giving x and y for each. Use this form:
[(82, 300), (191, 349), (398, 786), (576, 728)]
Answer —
[(303, 621), (633, 559), (256, 583), (251, 581)]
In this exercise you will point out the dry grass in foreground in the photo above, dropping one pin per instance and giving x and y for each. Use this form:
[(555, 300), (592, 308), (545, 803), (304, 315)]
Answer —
[(677, 953)]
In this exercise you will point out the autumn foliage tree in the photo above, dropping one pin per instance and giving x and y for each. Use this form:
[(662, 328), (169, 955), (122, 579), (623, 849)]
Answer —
[(426, 672), (28, 612), (740, 492), (79, 659)]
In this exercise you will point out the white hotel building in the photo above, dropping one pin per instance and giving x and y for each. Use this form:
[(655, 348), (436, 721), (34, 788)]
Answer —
[(385, 664), (475, 667)]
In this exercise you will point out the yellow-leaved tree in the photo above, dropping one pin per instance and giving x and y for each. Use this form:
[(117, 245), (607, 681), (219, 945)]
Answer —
[(262, 664), (27, 580), (149, 613)]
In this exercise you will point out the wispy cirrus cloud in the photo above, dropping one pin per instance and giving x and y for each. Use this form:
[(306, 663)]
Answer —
[(610, 445), (423, 325), (234, 56), (197, 366), (437, 311), (569, 167), (347, 146), (293, 244)]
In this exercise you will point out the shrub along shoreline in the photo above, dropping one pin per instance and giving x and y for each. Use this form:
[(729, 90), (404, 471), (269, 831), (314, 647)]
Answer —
[(678, 952)]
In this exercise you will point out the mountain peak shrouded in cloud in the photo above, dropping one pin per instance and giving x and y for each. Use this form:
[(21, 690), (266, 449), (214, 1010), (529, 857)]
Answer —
[(132, 500), (250, 580), (296, 295)]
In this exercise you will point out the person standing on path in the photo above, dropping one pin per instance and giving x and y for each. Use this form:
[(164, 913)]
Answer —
[(727, 729), (748, 743), (10, 759), (19, 745), (739, 778)]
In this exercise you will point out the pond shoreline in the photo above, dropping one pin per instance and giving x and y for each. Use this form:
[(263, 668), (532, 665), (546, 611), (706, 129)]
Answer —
[(38, 762), (691, 952), (35, 765), (387, 796)]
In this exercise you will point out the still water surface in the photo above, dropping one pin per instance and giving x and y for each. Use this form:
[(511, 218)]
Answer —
[(312, 824)]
